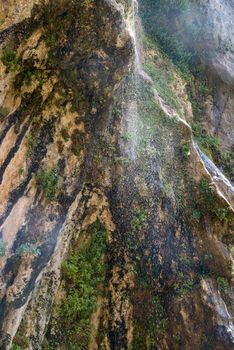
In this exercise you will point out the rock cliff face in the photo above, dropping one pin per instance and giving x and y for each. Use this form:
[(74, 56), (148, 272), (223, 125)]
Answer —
[(213, 37), (201, 32), (115, 227)]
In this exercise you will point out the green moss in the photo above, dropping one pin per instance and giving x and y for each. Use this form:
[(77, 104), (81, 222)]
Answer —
[(3, 112), (156, 17), (3, 248), (222, 284), (9, 59), (184, 285), (47, 181), (170, 5), (16, 347), (83, 274), (21, 341), (162, 82), (139, 221), (185, 151), (28, 248), (208, 143), (32, 140), (149, 318), (27, 75), (196, 214), (207, 203)]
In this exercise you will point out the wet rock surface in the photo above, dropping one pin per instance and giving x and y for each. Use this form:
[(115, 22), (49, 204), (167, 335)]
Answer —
[(114, 232)]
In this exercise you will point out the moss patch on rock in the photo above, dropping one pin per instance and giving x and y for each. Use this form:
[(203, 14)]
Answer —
[(83, 274)]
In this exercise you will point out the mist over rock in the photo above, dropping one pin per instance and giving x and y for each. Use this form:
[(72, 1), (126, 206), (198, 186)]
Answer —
[(213, 35), (116, 175)]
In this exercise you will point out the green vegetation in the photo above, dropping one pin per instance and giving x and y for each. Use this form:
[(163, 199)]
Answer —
[(150, 320), (157, 15), (197, 215), (21, 341), (171, 5), (139, 222), (28, 248), (9, 59), (33, 137), (162, 72), (162, 84), (161, 22), (222, 284), (83, 274), (16, 347), (32, 141), (184, 285), (209, 144), (3, 112), (47, 181), (208, 203), (27, 75), (3, 248), (185, 150)]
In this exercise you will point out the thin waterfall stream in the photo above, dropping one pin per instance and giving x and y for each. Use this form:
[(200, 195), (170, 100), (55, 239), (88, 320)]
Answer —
[(130, 100), (131, 105)]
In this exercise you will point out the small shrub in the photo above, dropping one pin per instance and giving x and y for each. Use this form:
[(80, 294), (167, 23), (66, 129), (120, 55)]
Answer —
[(47, 181), (26, 76), (3, 248), (21, 341), (184, 285), (222, 284), (185, 151), (162, 82), (28, 248), (9, 59), (3, 112), (139, 221), (207, 191), (32, 140), (16, 347), (197, 214), (83, 273)]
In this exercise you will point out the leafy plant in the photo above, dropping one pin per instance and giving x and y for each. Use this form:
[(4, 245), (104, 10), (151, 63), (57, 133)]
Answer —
[(184, 285), (3, 248), (9, 59), (27, 75), (32, 140), (162, 82), (139, 221), (185, 151), (83, 274), (21, 341), (47, 181), (3, 112), (196, 214), (28, 248), (222, 284), (16, 347)]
